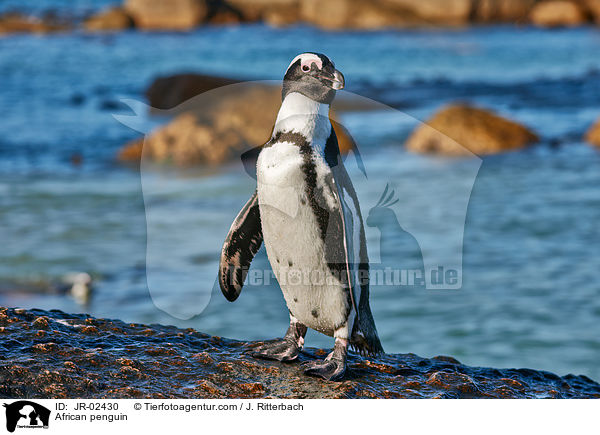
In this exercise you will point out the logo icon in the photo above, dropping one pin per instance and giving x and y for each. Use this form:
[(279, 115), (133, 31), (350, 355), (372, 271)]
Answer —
[(26, 414)]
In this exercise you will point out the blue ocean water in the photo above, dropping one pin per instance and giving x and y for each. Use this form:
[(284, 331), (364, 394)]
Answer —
[(530, 297)]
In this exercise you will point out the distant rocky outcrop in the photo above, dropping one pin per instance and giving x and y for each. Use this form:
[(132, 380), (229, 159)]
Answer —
[(501, 11), (112, 19), (181, 15), (19, 23), (51, 354), (167, 14), (433, 12), (558, 13), (213, 128), (457, 129), (353, 14), (260, 10), (185, 15), (593, 134)]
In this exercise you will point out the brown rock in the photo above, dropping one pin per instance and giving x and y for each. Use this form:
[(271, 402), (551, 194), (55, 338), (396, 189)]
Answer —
[(18, 23), (281, 16), (186, 142), (557, 13), (215, 127), (457, 129), (444, 12), (275, 12), (357, 14), (167, 14), (131, 151), (593, 134), (354, 14), (502, 11), (221, 12), (371, 16), (593, 8), (333, 14), (109, 20)]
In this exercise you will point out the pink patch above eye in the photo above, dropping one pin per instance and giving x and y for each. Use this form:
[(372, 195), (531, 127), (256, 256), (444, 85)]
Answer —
[(308, 60)]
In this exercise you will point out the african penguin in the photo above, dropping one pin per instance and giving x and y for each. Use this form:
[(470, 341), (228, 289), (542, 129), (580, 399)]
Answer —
[(306, 212)]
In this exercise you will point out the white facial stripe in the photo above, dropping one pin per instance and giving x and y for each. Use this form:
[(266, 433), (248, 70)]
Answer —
[(307, 59)]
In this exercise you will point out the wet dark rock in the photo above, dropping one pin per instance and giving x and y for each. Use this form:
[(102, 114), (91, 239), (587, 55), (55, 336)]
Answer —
[(78, 356)]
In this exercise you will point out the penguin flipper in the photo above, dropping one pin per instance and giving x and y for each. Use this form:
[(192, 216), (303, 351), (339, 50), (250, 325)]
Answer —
[(364, 337), (241, 245), (348, 221)]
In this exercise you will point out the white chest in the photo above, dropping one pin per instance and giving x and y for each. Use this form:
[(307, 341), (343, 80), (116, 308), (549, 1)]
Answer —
[(293, 241)]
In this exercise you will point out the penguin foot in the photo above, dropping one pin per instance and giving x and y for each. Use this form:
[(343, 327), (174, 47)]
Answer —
[(328, 369), (331, 368), (283, 350), (287, 349)]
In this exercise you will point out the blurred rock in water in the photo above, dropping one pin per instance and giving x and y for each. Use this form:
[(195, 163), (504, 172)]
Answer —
[(501, 11), (593, 7), (167, 92), (18, 23), (557, 13), (215, 127), (593, 134), (167, 15), (221, 12), (258, 10), (352, 14), (281, 16), (457, 129), (110, 20), (81, 356), (446, 12)]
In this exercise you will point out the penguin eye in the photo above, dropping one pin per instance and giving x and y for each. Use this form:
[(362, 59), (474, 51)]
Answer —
[(305, 68)]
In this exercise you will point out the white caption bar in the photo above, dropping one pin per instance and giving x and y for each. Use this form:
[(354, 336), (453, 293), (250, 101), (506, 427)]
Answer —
[(144, 416)]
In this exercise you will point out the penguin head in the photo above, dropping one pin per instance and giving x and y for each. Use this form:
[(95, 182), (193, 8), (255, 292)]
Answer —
[(314, 76)]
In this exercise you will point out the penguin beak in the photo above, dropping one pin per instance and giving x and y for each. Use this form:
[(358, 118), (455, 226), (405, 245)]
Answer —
[(338, 80), (334, 81)]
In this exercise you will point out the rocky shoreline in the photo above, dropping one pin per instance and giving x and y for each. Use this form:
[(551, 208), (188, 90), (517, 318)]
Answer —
[(52, 354), (184, 15)]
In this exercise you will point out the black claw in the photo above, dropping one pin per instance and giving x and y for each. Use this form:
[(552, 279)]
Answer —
[(283, 350)]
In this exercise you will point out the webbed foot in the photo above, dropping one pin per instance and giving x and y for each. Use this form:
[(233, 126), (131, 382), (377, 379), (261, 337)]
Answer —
[(283, 350), (287, 349), (331, 368)]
